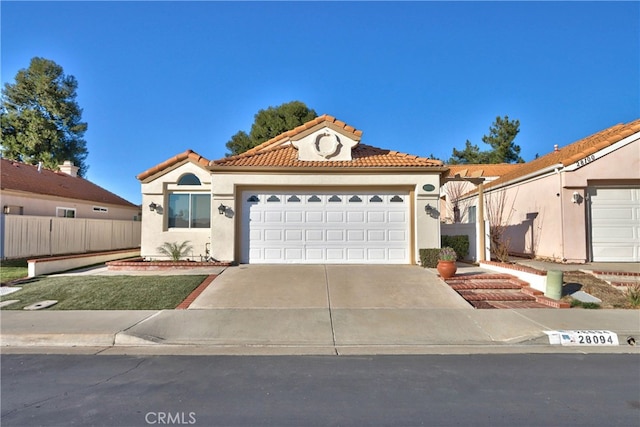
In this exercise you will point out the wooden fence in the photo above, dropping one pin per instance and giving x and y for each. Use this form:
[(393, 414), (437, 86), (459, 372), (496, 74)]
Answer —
[(28, 236)]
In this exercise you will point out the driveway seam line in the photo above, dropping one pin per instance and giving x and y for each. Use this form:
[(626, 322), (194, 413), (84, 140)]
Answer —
[(333, 332)]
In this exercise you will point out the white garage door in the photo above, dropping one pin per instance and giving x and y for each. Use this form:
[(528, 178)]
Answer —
[(615, 224), (325, 228)]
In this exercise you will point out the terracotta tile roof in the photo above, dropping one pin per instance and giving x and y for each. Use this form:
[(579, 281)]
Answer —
[(277, 152), (23, 177), (325, 119), (363, 156), (482, 170), (573, 152), (187, 155)]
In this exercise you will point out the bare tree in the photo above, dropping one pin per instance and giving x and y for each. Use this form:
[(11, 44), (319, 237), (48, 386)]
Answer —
[(456, 204), (499, 214)]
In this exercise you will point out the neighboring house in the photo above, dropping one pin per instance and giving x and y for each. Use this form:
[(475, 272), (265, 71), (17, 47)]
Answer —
[(579, 203), (459, 182), (46, 212), (314, 194), (32, 190)]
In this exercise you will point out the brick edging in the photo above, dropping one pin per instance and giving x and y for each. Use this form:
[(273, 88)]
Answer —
[(516, 267), (196, 292)]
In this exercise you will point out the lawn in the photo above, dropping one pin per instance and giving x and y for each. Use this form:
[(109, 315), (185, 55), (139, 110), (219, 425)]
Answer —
[(13, 269), (106, 292)]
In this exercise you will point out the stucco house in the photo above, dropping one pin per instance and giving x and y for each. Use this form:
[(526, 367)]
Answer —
[(32, 190), (579, 203), (315, 194), (47, 212)]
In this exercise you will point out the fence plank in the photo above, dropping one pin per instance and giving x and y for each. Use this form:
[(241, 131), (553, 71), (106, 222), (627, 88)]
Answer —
[(27, 236)]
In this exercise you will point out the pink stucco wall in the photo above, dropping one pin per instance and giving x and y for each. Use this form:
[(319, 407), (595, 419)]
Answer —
[(559, 230)]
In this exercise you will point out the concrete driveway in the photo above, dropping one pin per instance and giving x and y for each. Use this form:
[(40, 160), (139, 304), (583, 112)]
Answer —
[(328, 287)]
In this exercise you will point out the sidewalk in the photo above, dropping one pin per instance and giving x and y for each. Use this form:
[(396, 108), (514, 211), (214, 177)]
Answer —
[(320, 329)]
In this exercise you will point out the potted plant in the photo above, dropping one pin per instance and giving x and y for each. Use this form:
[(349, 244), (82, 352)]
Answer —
[(447, 262)]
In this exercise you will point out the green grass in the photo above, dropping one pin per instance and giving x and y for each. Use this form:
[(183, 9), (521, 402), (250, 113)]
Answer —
[(588, 305), (13, 269), (106, 292)]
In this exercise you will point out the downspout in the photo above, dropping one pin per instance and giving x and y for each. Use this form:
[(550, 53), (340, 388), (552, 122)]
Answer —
[(481, 255), (557, 171)]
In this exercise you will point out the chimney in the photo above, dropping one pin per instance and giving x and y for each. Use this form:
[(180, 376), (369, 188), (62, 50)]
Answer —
[(68, 168), (555, 147)]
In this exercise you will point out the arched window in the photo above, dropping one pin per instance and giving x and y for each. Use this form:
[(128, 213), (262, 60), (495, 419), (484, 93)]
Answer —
[(189, 179)]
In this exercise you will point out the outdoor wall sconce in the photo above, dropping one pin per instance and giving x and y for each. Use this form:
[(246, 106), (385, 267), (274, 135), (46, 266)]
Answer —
[(428, 209), (576, 197), (153, 206), (222, 209)]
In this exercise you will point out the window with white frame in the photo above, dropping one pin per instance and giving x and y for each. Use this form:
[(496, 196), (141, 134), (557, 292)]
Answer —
[(189, 210), (100, 209), (65, 212), (472, 214)]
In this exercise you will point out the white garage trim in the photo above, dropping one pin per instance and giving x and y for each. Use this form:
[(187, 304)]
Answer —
[(358, 226), (615, 224)]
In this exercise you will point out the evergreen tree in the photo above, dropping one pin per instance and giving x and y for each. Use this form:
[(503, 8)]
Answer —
[(270, 123), (503, 150), (40, 119)]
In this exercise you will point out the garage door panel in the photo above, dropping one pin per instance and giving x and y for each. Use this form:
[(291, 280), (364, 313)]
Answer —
[(325, 228), (615, 224), (272, 216), (397, 236), (357, 216), (397, 217), (294, 254), (397, 254), (314, 216), (335, 254), (273, 235), (295, 236), (355, 235), (335, 235), (294, 216), (376, 216), (335, 216), (355, 254), (314, 236), (376, 235)]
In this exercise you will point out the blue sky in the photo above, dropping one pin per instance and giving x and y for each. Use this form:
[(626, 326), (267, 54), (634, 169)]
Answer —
[(157, 78)]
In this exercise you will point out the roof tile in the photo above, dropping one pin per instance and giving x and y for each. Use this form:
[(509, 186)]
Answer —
[(362, 156), (187, 155), (24, 177), (573, 152)]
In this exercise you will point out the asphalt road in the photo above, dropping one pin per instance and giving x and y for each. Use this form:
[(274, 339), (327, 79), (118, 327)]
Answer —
[(478, 390)]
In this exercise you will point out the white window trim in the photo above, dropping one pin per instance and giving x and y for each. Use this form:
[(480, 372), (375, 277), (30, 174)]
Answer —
[(100, 209), (59, 208), (190, 228)]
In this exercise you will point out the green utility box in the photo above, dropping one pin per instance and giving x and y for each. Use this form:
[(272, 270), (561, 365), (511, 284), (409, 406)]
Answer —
[(554, 284)]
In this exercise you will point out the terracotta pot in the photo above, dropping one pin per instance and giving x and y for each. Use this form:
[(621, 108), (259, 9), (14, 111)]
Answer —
[(447, 269)]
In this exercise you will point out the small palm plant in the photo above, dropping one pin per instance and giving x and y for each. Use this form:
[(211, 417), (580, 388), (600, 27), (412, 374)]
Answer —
[(175, 250), (447, 254)]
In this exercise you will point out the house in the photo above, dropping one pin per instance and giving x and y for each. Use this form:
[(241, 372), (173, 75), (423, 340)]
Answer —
[(459, 180), (314, 194), (32, 190), (579, 203), (36, 200)]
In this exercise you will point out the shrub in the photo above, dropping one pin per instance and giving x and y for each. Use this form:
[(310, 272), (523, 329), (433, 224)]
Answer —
[(429, 257), (447, 254), (175, 250), (459, 243), (633, 295)]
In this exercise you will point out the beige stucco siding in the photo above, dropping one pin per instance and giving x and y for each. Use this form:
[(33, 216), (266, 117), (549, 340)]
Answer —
[(43, 205), (155, 229)]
